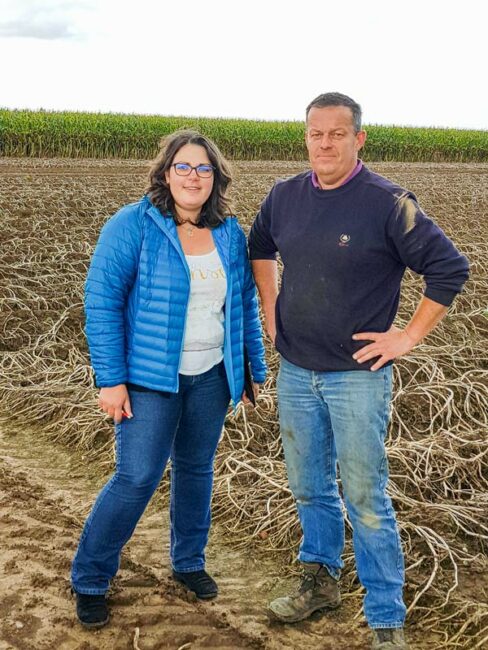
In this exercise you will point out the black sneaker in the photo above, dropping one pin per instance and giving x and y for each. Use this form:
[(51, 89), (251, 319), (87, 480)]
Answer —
[(92, 610), (202, 585)]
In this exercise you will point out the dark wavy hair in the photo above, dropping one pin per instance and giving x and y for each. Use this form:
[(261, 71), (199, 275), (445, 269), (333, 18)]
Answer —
[(217, 207)]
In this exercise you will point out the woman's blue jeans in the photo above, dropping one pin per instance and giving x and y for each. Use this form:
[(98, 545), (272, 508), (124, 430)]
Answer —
[(185, 426), (342, 417)]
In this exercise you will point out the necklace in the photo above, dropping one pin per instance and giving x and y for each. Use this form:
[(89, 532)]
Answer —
[(188, 226)]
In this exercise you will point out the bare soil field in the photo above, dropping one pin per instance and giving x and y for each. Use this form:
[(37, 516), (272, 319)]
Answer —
[(45, 493), (56, 449)]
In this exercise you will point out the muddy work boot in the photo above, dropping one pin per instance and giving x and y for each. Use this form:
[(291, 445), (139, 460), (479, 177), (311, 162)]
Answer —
[(318, 590), (389, 639)]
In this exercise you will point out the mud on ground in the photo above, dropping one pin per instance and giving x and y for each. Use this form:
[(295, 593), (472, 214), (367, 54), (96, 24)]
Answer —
[(45, 494)]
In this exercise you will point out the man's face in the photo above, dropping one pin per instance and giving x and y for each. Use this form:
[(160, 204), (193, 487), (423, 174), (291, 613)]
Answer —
[(332, 144)]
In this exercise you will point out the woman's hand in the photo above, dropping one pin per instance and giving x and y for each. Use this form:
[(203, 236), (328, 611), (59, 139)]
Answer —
[(246, 399), (114, 400)]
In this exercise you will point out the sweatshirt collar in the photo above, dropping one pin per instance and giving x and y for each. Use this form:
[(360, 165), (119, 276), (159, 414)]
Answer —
[(355, 172)]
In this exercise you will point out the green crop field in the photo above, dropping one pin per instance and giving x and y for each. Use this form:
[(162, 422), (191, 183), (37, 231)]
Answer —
[(106, 135)]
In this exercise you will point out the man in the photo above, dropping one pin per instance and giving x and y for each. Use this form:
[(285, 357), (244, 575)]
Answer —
[(345, 236)]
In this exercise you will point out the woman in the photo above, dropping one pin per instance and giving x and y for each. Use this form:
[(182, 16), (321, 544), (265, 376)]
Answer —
[(170, 304)]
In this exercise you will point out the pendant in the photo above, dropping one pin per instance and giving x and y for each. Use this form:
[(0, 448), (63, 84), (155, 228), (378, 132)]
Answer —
[(188, 226)]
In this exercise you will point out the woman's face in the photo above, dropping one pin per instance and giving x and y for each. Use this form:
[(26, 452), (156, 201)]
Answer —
[(189, 192)]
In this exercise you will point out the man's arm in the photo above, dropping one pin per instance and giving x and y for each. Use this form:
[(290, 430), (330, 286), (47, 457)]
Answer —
[(396, 342), (266, 278), (422, 246), (262, 253)]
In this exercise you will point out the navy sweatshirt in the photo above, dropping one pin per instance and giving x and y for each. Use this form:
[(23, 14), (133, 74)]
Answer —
[(344, 253)]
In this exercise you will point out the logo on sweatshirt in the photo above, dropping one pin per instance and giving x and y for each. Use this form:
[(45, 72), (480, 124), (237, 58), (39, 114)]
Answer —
[(344, 240)]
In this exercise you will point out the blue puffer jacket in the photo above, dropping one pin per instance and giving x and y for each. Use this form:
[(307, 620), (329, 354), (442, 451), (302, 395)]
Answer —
[(136, 299)]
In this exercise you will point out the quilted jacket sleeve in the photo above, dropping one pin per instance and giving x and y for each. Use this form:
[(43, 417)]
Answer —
[(110, 277), (253, 335)]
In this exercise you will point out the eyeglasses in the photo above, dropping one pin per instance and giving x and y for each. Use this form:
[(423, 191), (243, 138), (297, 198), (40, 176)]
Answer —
[(185, 169)]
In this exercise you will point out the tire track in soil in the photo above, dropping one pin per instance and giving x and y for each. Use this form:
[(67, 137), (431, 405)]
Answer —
[(45, 493)]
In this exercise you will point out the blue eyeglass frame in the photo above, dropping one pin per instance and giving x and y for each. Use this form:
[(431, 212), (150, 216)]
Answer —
[(191, 168)]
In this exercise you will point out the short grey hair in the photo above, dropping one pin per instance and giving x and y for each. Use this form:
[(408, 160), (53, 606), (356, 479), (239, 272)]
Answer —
[(337, 99)]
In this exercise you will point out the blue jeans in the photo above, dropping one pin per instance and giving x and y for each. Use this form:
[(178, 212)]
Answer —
[(185, 426), (342, 417)]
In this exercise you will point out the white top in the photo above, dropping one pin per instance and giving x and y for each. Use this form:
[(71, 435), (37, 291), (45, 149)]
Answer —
[(203, 345)]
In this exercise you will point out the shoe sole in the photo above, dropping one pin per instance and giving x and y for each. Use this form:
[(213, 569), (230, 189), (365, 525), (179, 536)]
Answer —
[(301, 617), (209, 596), (94, 626)]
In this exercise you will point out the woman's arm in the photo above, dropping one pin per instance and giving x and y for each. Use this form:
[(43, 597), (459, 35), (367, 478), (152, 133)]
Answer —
[(110, 277)]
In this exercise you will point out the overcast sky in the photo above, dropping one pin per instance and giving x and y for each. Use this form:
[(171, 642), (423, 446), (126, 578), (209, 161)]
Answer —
[(419, 62)]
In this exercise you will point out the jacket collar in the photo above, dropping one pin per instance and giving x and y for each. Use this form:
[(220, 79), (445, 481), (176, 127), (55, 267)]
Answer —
[(221, 235)]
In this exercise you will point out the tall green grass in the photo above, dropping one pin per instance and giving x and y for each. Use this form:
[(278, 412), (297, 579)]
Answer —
[(108, 135)]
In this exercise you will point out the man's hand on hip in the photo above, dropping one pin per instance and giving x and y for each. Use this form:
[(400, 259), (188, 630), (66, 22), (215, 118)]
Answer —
[(385, 345), (396, 342)]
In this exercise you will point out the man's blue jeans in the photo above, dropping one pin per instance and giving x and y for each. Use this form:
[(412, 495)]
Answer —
[(342, 417), (186, 426)]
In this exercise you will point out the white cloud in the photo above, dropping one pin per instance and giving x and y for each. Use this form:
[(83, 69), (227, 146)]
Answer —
[(27, 28), (44, 20)]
